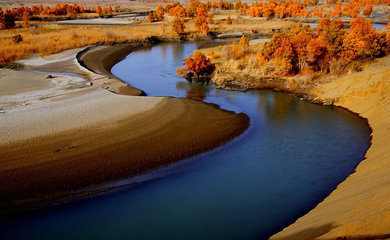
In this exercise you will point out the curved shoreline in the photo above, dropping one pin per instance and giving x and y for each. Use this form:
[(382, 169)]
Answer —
[(103, 137), (307, 227), (360, 203), (100, 60), (359, 207)]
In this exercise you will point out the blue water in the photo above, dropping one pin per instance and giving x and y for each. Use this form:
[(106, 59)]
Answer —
[(291, 157), (378, 25)]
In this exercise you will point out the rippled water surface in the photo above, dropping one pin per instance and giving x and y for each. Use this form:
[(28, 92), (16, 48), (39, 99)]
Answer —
[(292, 156)]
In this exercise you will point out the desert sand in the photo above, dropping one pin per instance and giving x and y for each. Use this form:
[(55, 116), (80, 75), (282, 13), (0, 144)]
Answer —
[(12, 82), (65, 135), (360, 206)]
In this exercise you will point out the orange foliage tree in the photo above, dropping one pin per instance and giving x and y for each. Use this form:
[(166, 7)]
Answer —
[(99, 10), (26, 18), (151, 17), (7, 19), (373, 43), (237, 52), (178, 26), (316, 50), (244, 42), (300, 36), (197, 67), (333, 34), (229, 20), (367, 10), (160, 13), (200, 21), (178, 11), (302, 47)]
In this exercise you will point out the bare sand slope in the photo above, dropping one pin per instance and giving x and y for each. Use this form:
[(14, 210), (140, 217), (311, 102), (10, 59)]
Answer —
[(63, 62), (12, 82), (360, 206)]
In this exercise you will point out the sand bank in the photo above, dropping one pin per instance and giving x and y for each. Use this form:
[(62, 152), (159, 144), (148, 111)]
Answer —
[(77, 136), (360, 206), (101, 59), (12, 82)]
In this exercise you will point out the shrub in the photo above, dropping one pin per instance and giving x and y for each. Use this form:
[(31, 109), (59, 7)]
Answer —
[(178, 26), (229, 20), (17, 38), (199, 67), (337, 67), (356, 66), (261, 60), (237, 52)]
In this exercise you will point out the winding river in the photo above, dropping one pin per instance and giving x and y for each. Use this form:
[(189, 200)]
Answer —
[(291, 157)]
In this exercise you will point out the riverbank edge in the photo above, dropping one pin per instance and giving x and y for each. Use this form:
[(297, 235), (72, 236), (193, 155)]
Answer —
[(333, 217)]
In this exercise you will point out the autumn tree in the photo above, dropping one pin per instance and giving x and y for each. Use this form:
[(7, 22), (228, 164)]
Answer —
[(261, 60), (99, 10), (244, 42), (374, 43), (229, 20), (351, 48), (237, 52), (198, 66), (200, 21), (151, 17), (2, 19), (367, 10), (26, 18), (333, 34), (316, 50), (210, 19), (109, 10), (178, 26), (160, 13), (337, 10), (178, 11), (7, 19), (300, 35)]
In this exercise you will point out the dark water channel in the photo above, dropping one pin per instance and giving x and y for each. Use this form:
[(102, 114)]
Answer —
[(291, 157)]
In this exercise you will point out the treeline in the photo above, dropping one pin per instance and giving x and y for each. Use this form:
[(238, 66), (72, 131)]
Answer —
[(290, 8), (177, 10), (280, 9), (196, 10), (9, 16), (330, 48), (269, 9)]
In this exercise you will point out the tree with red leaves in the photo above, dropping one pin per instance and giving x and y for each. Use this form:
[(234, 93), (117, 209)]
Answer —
[(198, 66), (160, 13)]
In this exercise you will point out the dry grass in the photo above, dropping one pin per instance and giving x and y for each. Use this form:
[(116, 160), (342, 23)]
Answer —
[(53, 39), (50, 40), (225, 62)]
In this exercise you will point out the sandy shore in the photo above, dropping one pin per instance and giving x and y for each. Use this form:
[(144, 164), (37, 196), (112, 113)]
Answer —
[(12, 82), (101, 59), (65, 136), (360, 206)]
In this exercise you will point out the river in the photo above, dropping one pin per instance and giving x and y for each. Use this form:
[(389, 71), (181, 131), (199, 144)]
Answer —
[(291, 157)]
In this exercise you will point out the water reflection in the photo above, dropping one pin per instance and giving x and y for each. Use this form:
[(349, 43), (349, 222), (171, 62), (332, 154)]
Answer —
[(194, 90)]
